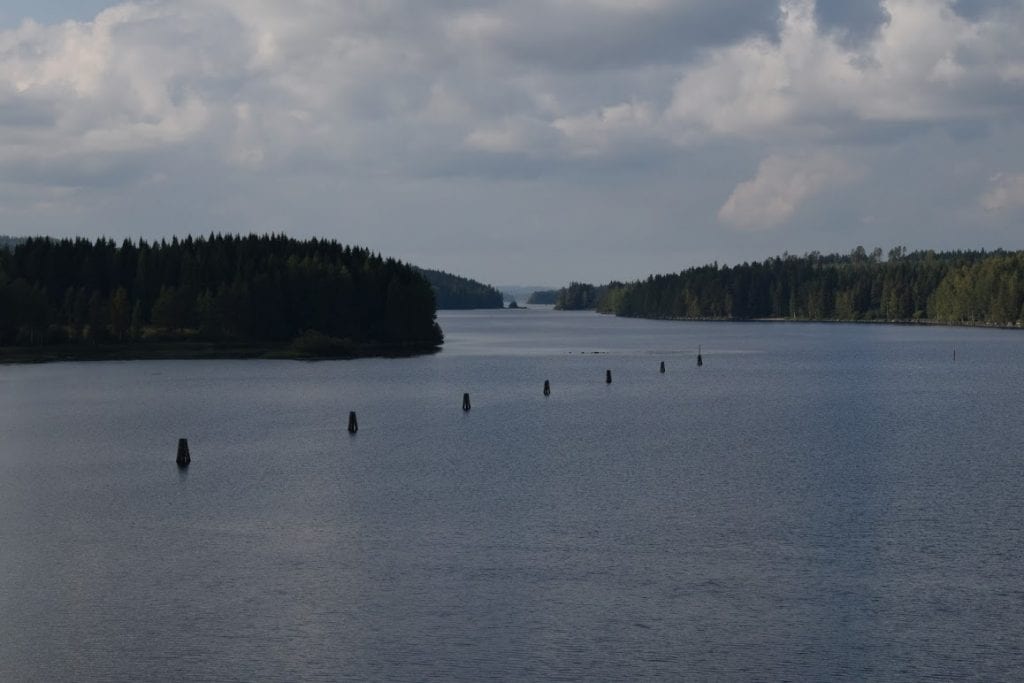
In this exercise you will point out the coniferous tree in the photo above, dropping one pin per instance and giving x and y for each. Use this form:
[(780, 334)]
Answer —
[(951, 287), (266, 288)]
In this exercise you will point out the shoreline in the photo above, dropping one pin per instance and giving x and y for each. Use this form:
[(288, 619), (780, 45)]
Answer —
[(909, 323), (60, 353)]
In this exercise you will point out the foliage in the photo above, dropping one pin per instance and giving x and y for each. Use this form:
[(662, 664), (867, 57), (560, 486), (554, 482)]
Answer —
[(579, 296), (8, 243), (973, 287), (224, 288), (316, 344), (454, 292), (544, 297)]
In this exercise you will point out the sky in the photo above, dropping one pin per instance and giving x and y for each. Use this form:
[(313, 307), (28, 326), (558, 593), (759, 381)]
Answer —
[(520, 141)]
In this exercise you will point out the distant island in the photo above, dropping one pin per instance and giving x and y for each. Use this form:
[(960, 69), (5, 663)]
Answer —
[(955, 288), (460, 293), (218, 296)]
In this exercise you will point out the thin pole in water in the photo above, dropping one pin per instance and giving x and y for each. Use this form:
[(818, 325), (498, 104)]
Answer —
[(465, 402)]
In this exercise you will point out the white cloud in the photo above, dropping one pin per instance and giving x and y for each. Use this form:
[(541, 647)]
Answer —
[(926, 64), (132, 80), (781, 186), (256, 82), (624, 6), (519, 135), (1005, 193), (595, 133), (261, 113)]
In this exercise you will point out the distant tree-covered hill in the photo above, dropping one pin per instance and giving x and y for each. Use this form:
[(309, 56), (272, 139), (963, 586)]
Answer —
[(320, 296), (961, 287), (455, 292)]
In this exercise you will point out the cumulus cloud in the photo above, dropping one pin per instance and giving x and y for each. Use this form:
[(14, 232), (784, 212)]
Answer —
[(582, 35), (852, 21), (134, 80), (781, 186), (512, 136), (256, 84), (974, 9), (1005, 193), (292, 102), (926, 65), (592, 134)]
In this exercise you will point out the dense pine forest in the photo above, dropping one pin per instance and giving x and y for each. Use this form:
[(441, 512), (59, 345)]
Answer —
[(455, 292), (8, 243), (579, 296), (544, 296), (308, 297), (963, 287)]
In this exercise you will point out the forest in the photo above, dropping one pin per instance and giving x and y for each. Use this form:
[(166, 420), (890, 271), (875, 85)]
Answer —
[(956, 287), (455, 292), (313, 298), (544, 297), (579, 296)]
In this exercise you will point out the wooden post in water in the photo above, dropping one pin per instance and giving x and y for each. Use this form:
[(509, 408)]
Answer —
[(353, 423), (465, 402), (663, 367), (184, 458), (547, 387), (954, 354), (700, 358), (607, 376)]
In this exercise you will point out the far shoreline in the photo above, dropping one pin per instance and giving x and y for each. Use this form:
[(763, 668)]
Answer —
[(905, 323)]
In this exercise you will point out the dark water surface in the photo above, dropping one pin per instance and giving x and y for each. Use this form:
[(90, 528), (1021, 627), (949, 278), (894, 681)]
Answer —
[(817, 502)]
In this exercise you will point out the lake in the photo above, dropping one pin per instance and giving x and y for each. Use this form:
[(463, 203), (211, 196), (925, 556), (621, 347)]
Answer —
[(818, 501)]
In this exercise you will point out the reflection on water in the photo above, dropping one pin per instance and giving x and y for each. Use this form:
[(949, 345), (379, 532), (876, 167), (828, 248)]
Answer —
[(815, 502)]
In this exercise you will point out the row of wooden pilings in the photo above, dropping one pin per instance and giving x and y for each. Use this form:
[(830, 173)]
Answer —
[(353, 423), (184, 458)]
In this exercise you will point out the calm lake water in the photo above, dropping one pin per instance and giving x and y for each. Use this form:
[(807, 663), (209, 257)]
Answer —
[(817, 502)]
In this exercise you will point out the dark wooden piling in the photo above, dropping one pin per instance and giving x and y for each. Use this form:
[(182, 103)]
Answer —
[(465, 402), (353, 423), (700, 358), (663, 367), (954, 353), (184, 458), (607, 376), (547, 387)]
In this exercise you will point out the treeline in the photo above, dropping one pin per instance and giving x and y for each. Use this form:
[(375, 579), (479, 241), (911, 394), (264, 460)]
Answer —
[(544, 297), (961, 287), (321, 295), (8, 243), (579, 296), (455, 292)]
